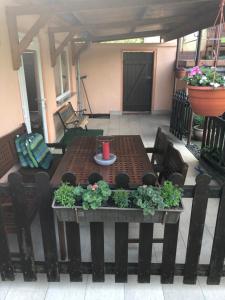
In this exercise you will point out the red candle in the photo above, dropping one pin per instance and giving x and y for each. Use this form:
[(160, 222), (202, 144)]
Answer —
[(105, 150)]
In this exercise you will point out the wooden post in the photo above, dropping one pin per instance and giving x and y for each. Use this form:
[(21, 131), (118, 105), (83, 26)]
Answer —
[(121, 251), (6, 267), (218, 253), (17, 191), (197, 223), (198, 50), (44, 197)]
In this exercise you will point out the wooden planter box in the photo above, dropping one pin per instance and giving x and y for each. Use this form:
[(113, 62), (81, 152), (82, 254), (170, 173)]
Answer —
[(114, 214)]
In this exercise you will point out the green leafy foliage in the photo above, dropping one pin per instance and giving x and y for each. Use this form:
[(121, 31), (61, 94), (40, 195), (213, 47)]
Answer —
[(148, 198), (94, 196), (67, 195), (199, 120), (171, 194), (121, 198)]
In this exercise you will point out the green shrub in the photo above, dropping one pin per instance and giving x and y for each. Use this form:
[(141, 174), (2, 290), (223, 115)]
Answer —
[(148, 198), (95, 195), (171, 194), (67, 195), (121, 198)]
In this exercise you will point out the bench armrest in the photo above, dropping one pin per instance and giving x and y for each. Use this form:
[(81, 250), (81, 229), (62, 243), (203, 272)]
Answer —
[(150, 150), (57, 146)]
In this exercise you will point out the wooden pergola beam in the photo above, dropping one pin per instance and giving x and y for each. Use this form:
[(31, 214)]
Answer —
[(33, 31), (135, 23), (77, 48), (85, 5), (55, 52), (18, 47), (127, 35)]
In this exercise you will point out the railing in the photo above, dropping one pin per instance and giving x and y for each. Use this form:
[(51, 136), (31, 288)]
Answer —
[(213, 144), (181, 116), (42, 193)]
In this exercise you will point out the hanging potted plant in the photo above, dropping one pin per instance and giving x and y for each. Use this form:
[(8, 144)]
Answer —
[(206, 91), (206, 87), (180, 73)]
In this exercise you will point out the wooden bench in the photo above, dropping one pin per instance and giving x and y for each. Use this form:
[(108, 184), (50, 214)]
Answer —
[(71, 118), (9, 163)]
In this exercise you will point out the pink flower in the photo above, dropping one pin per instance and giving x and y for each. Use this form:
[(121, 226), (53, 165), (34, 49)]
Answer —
[(94, 187), (194, 71)]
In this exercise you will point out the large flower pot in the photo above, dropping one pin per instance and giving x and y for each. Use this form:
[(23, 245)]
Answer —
[(207, 101)]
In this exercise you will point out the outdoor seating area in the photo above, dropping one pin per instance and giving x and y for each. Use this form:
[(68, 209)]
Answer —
[(112, 149)]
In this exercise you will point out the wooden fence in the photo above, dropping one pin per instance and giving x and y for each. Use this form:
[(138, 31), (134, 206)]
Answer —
[(42, 193), (181, 115)]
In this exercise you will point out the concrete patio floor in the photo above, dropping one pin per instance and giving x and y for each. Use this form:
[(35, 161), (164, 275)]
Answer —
[(146, 126)]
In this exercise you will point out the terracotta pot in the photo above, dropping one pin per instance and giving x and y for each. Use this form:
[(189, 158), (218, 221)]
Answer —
[(207, 101), (180, 74)]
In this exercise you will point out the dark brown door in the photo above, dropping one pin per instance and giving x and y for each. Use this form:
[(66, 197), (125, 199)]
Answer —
[(137, 81)]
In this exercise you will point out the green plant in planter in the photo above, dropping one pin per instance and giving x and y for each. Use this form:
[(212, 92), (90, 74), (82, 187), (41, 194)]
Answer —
[(95, 195), (171, 194), (199, 121), (121, 198), (67, 195), (148, 198)]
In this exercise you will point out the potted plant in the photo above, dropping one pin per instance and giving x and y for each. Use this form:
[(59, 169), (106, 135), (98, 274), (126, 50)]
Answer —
[(98, 203), (180, 73), (198, 126), (206, 91)]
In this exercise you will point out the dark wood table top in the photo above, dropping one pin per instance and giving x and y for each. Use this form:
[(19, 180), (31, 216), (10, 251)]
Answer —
[(132, 159)]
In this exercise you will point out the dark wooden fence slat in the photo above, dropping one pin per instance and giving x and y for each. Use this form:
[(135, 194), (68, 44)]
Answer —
[(197, 223), (218, 248), (6, 267), (169, 252), (74, 250), (97, 251), (121, 251), (46, 214), (145, 252), (23, 226)]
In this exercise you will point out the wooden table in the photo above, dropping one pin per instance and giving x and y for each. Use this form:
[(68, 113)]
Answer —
[(132, 159)]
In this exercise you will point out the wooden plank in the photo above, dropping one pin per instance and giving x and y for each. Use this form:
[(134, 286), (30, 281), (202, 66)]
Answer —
[(169, 252), (13, 38), (51, 39), (197, 223), (145, 252), (6, 267), (33, 31), (121, 251), (74, 250), (99, 4), (97, 251), (17, 191), (218, 253), (44, 197)]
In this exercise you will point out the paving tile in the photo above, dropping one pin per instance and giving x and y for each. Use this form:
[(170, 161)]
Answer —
[(212, 292), (143, 291), (179, 291), (108, 290)]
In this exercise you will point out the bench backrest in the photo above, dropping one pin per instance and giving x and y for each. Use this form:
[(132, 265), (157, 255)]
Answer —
[(66, 113), (160, 147), (173, 163), (8, 154)]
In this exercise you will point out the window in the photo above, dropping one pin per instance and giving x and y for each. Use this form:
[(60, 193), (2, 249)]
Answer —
[(61, 72)]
